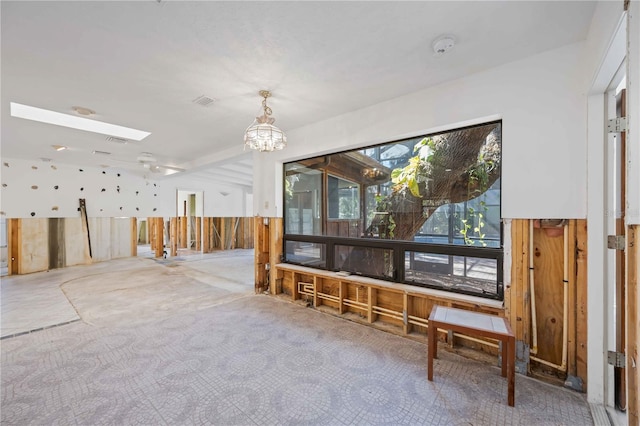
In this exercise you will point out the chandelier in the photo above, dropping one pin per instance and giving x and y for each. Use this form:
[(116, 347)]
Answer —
[(262, 135)]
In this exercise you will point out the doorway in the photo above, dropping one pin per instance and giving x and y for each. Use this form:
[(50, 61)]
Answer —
[(190, 211), (616, 200)]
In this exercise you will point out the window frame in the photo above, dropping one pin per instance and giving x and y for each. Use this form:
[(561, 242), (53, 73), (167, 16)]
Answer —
[(399, 248)]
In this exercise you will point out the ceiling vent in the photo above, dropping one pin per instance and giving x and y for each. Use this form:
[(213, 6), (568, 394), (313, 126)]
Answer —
[(101, 152), (203, 100), (117, 140)]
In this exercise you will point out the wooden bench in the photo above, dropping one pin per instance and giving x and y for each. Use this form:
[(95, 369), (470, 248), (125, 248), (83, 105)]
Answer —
[(474, 323)]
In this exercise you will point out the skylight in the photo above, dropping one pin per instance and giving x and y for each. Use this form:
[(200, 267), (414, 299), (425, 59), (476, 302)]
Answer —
[(79, 123)]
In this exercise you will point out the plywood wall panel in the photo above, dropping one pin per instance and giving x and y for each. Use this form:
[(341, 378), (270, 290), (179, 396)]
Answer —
[(75, 242), (56, 243), (548, 273), (34, 245), (120, 237), (100, 231)]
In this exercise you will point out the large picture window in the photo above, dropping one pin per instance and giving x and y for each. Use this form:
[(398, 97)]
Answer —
[(423, 211)]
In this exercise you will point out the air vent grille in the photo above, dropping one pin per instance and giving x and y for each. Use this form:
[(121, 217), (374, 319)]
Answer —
[(117, 140), (203, 100), (101, 152)]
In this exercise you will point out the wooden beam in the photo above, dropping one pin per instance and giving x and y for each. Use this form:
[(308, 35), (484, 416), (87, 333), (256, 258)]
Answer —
[(262, 255), (275, 247), (173, 235), (182, 232), (159, 232), (572, 303), (198, 233), (633, 327), (14, 239), (222, 230), (151, 231), (372, 300), (134, 236), (518, 270), (581, 301)]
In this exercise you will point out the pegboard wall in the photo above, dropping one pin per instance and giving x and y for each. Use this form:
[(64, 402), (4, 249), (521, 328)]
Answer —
[(49, 190)]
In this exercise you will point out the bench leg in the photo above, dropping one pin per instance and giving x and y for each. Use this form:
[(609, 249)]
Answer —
[(505, 357), (432, 350), (511, 370)]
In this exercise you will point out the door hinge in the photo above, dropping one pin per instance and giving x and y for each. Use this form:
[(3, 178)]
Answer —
[(615, 242), (617, 125), (617, 359)]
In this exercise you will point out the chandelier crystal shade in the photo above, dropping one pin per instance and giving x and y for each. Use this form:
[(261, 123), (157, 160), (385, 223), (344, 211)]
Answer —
[(262, 135)]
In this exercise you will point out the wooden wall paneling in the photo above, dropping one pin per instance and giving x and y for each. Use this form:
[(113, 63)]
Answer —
[(389, 306), (248, 232), (212, 234), (75, 242), (57, 258), (342, 295), (262, 245), (519, 255), (34, 248), (525, 285), (178, 234), (184, 238), (572, 302), (198, 232), (173, 235), (14, 235), (239, 234), (151, 230), (134, 236), (224, 233), (548, 271), (275, 249), (633, 324), (205, 235), (372, 299), (233, 229), (159, 231), (406, 327), (581, 301)]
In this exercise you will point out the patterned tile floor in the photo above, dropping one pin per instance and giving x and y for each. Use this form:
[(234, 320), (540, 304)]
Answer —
[(162, 346)]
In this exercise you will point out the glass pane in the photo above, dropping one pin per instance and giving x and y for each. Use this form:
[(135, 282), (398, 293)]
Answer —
[(343, 198), (303, 253), (302, 200), (375, 262), (459, 273)]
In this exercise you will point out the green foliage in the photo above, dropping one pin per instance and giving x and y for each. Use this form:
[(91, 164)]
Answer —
[(416, 172), (429, 158)]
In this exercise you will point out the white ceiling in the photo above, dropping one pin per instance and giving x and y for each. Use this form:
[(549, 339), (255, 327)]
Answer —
[(141, 64)]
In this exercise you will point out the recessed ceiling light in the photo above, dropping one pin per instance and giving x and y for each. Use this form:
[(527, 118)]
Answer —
[(59, 147), (66, 120), (82, 110)]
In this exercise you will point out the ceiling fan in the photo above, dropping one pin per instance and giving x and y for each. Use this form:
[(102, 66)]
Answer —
[(149, 162)]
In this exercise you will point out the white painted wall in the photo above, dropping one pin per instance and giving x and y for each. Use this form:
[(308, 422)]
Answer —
[(213, 202), (633, 116), (137, 197), (604, 54), (541, 100)]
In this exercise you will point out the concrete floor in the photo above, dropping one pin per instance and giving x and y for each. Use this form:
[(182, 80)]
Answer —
[(185, 341)]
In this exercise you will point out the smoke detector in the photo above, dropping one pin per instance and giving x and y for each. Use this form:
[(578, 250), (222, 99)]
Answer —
[(443, 44)]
